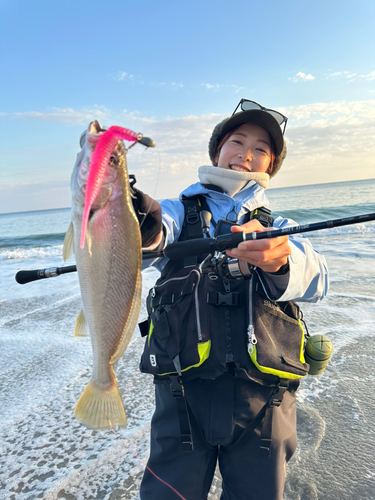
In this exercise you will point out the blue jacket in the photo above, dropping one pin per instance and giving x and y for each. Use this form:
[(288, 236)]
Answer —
[(307, 279)]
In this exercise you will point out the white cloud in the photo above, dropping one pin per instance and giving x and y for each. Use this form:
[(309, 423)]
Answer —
[(369, 77), (238, 89), (336, 74), (322, 112), (214, 86), (326, 142), (351, 76), (66, 115), (301, 77), (329, 142), (121, 76)]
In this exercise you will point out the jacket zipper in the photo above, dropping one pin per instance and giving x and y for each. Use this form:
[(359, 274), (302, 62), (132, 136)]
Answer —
[(228, 334), (153, 293), (251, 338), (199, 329), (229, 351)]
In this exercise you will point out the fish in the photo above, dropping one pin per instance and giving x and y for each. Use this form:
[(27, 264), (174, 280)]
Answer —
[(105, 237)]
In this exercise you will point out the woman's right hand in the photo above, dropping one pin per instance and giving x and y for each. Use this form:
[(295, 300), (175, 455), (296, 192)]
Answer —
[(152, 207), (151, 227)]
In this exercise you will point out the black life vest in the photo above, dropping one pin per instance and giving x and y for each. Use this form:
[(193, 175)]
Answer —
[(196, 325)]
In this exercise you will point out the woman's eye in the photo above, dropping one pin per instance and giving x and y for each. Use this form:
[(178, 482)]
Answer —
[(262, 150), (237, 142)]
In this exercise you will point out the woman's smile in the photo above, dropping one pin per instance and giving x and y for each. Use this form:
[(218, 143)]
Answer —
[(239, 168)]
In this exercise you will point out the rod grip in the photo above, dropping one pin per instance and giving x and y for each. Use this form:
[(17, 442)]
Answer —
[(188, 248), (23, 277)]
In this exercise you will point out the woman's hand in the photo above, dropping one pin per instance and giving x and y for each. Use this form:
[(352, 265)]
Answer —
[(269, 254), (153, 209)]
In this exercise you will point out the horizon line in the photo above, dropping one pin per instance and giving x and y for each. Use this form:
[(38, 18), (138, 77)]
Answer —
[(269, 189)]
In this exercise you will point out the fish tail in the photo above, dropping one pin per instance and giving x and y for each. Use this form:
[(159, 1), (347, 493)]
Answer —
[(100, 408)]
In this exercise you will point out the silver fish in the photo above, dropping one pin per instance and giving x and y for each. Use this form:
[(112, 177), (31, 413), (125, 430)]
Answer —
[(109, 270)]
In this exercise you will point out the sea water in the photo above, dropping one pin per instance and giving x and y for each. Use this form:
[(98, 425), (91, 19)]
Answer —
[(45, 453)]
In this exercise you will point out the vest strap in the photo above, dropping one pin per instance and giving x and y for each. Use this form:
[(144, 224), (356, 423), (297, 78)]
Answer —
[(225, 299), (171, 298), (144, 327), (178, 393), (266, 420), (266, 433), (263, 215)]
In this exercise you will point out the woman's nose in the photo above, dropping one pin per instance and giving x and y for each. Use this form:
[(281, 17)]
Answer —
[(245, 155)]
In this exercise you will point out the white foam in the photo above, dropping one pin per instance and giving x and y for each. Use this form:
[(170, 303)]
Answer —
[(31, 253)]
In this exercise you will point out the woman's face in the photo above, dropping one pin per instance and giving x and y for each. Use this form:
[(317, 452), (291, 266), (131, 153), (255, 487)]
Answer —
[(247, 149)]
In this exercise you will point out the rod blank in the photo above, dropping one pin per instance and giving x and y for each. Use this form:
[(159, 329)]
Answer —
[(182, 249)]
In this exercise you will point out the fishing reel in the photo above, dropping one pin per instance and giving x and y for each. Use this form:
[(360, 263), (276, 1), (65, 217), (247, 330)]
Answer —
[(217, 263), (220, 265)]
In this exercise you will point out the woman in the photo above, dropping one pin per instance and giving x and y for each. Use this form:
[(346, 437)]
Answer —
[(224, 341)]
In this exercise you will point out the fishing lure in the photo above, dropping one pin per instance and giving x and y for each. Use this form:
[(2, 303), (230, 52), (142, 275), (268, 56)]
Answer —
[(99, 163)]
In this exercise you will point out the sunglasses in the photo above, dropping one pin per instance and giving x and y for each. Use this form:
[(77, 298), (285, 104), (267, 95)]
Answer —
[(247, 105)]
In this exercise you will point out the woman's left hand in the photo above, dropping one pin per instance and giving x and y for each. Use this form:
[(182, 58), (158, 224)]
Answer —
[(268, 254)]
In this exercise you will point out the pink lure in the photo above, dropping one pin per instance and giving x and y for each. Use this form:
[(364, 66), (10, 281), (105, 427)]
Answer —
[(100, 159)]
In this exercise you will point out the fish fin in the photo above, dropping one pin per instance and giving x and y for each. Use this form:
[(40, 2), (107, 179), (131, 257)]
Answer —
[(100, 408), (81, 328), (68, 248), (132, 321)]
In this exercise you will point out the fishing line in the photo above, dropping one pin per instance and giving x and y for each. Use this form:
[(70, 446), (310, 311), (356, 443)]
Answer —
[(142, 463), (156, 186)]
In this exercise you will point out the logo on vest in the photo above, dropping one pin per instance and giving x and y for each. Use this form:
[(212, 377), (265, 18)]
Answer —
[(153, 360)]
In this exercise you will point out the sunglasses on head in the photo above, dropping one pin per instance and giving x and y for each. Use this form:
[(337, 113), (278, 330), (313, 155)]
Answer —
[(247, 105)]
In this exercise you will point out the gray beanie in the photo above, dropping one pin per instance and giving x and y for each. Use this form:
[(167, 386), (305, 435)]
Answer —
[(259, 117)]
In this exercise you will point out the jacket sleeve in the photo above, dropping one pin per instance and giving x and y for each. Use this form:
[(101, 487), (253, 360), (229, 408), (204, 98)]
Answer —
[(307, 280)]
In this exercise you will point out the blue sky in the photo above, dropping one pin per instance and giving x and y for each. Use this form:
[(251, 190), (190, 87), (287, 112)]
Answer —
[(172, 70)]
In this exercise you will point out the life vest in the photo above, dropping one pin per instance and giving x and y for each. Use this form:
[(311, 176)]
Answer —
[(197, 325)]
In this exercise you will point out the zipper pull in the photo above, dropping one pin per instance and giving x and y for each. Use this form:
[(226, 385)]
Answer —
[(153, 293), (251, 338), (235, 213)]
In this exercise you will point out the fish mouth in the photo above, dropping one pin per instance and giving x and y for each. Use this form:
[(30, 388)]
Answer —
[(239, 168)]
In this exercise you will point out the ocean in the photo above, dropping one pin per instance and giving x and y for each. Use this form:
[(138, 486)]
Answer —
[(46, 454)]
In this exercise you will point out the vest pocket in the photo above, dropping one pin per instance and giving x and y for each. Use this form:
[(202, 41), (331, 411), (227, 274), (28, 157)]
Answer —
[(170, 346), (279, 345)]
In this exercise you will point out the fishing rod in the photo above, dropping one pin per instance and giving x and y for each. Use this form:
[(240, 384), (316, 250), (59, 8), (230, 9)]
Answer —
[(182, 249)]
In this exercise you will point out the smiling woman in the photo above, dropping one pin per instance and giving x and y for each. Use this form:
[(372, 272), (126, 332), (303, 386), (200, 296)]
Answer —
[(246, 149), (203, 334)]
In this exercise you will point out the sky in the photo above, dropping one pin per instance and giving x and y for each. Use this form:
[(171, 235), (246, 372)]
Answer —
[(172, 70)]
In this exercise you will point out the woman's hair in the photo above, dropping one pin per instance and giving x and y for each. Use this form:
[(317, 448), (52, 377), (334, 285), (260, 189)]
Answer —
[(226, 137)]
